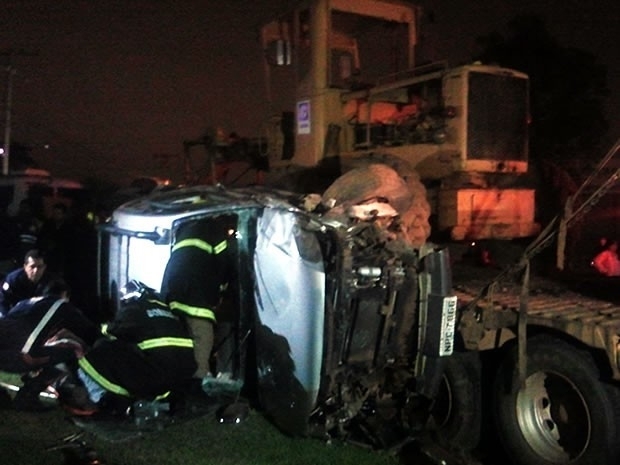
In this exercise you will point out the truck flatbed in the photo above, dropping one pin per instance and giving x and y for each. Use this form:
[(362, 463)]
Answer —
[(550, 304)]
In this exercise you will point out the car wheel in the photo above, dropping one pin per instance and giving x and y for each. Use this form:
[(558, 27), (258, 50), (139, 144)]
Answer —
[(562, 415)]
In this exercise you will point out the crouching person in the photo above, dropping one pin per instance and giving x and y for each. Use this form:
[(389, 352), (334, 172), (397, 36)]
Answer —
[(41, 338), (147, 352)]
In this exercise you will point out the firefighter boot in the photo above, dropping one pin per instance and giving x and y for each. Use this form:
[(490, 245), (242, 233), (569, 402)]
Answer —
[(74, 398), (28, 398)]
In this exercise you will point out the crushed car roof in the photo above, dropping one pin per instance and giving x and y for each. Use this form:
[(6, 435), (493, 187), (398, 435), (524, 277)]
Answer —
[(212, 198)]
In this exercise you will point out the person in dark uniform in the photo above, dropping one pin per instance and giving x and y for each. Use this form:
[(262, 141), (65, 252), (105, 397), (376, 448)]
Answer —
[(9, 232), (196, 275), (28, 227), (57, 238), (148, 352), (25, 282), (40, 334)]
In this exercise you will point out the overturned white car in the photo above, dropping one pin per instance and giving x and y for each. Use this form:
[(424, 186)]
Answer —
[(333, 325)]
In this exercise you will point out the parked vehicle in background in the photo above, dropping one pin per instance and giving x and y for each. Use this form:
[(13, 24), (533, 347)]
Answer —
[(138, 187), (42, 190)]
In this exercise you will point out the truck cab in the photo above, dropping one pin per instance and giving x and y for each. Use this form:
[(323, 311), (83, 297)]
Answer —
[(343, 82)]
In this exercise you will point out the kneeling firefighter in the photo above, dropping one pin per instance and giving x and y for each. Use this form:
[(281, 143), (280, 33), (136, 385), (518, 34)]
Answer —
[(148, 352)]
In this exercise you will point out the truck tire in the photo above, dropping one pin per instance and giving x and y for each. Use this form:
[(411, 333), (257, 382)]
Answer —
[(393, 179), (563, 415), (457, 411)]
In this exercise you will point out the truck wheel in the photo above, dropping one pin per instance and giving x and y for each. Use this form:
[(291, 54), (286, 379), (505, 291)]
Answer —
[(391, 177), (563, 414), (457, 411)]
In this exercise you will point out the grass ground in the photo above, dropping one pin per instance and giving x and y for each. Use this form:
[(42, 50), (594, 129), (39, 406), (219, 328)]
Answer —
[(25, 438)]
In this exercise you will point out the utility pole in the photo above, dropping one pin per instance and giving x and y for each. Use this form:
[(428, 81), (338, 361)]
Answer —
[(10, 70)]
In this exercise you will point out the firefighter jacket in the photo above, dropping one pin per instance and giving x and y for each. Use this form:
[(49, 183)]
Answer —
[(31, 326), (147, 351), (198, 269)]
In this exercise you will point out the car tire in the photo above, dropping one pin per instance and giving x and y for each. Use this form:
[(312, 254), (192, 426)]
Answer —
[(563, 415)]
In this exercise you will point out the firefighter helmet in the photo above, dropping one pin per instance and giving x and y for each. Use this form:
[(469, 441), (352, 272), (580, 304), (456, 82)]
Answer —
[(134, 290)]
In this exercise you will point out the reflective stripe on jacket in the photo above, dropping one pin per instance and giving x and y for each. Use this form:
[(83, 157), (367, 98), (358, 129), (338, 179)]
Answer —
[(146, 345), (102, 380), (196, 272), (196, 312), (166, 342), (202, 245)]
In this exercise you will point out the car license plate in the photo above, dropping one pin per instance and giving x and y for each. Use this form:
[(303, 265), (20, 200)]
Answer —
[(448, 325)]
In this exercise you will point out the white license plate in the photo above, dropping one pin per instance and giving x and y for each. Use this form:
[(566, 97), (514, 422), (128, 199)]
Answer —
[(448, 325)]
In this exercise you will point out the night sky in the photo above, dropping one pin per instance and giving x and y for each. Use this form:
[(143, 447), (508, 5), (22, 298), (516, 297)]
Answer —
[(113, 88)]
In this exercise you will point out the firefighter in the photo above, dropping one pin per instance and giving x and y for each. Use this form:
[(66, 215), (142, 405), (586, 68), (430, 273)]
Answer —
[(39, 337), (195, 278), (147, 353)]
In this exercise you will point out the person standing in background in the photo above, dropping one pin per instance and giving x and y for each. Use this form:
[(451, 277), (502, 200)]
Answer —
[(28, 225), (607, 262), (57, 239)]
